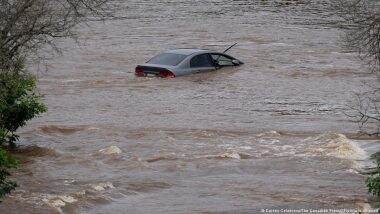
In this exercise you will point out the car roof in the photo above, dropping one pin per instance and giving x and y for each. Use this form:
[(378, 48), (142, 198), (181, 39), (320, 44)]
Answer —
[(188, 51)]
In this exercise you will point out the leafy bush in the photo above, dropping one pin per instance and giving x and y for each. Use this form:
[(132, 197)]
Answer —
[(373, 181), (19, 103), (6, 162)]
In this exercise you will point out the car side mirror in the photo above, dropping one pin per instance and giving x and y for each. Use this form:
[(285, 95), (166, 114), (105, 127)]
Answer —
[(235, 62)]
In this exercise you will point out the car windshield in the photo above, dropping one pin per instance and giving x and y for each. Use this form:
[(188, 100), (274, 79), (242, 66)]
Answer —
[(167, 59)]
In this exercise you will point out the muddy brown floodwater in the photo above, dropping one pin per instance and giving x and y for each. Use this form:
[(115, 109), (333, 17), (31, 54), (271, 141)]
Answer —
[(269, 134)]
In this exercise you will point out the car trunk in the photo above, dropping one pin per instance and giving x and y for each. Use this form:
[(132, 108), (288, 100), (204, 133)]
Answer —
[(143, 70)]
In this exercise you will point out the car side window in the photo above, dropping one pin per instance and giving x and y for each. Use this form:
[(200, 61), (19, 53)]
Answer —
[(222, 60), (202, 60)]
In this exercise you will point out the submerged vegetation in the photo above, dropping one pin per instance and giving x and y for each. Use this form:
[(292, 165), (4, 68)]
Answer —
[(361, 21)]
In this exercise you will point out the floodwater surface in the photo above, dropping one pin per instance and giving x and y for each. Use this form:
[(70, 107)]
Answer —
[(270, 134)]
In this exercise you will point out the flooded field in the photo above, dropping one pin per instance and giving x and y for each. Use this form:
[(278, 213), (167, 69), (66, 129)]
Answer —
[(270, 134)]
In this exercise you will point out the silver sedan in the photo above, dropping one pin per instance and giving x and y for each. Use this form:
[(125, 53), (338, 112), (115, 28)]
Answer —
[(180, 62)]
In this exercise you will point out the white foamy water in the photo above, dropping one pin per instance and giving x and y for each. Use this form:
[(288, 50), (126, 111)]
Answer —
[(336, 145)]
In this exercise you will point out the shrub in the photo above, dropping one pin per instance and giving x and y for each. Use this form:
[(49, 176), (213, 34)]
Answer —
[(19, 102), (6, 162), (373, 181)]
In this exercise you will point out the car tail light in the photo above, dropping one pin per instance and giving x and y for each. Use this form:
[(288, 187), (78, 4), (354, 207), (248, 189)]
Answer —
[(139, 72), (166, 74)]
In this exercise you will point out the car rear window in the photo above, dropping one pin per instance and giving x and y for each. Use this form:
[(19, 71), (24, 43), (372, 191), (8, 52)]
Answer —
[(167, 59)]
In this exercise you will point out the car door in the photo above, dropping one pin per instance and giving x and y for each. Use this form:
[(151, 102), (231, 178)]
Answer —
[(201, 63)]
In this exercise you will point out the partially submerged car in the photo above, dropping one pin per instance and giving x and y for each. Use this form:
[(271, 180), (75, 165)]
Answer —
[(185, 61)]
